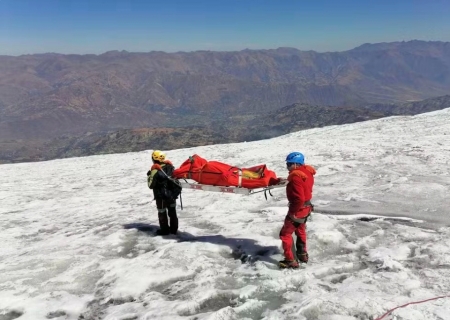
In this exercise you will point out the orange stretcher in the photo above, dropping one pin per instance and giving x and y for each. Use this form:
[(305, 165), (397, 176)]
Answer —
[(220, 177)]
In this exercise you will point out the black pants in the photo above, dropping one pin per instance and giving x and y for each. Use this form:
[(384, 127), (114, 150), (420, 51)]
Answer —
[(167, 208)]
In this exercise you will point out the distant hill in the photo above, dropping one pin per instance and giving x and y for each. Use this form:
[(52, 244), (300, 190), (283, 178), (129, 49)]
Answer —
[(45, 96), (288, 119), (300, 116), (411, 108)]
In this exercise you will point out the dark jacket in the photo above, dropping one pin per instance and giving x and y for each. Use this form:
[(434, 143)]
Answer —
[(157, 177)]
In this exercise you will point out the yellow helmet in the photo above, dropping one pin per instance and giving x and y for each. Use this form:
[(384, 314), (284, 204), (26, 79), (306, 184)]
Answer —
[(158, 156)]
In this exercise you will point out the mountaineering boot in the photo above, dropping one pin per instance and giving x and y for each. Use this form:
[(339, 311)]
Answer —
[(292, 264), (303, 257)]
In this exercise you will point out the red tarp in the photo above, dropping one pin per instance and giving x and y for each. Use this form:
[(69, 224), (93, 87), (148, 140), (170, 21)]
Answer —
[(220, 174)]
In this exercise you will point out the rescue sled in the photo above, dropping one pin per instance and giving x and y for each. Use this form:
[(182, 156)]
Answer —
[(232, 189), (220, 177)]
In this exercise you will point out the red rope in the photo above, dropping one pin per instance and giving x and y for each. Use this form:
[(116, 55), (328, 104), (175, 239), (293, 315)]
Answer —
[(407, 304)]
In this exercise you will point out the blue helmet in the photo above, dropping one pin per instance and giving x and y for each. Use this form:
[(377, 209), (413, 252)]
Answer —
[(295, 157)]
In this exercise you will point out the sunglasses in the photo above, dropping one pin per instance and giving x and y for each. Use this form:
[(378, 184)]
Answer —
[(289, 164)]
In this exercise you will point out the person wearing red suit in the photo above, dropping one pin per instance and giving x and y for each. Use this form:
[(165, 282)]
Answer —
[(299, 193)]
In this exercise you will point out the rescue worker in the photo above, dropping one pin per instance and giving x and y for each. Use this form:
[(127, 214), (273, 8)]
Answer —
[(157, 179), (299, 193)]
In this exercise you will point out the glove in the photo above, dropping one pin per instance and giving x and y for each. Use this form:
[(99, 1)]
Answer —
[(149, 172)]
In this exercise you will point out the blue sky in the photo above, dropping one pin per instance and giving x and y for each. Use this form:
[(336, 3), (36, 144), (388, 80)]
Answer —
[(96, 26)]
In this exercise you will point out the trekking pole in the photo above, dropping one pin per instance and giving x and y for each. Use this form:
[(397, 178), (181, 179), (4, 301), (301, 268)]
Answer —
[(181, 202)]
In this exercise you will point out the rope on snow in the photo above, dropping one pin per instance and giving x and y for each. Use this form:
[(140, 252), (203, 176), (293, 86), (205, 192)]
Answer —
[(407, 304)]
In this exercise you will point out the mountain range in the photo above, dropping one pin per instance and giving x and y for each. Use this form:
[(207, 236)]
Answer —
[(52, 101)]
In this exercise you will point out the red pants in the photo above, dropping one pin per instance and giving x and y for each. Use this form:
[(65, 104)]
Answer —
[(288, 242)]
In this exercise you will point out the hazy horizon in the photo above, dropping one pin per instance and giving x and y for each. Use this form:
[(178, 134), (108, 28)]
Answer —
[(199, 50), (98, 26)]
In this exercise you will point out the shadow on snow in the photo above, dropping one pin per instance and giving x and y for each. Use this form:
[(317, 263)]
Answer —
[(246, 250)]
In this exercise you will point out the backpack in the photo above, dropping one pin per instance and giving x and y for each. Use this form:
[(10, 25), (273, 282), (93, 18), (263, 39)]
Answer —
[(173, 187)]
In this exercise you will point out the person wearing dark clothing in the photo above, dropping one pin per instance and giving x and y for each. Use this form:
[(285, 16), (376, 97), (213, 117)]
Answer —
[(157, 179)]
